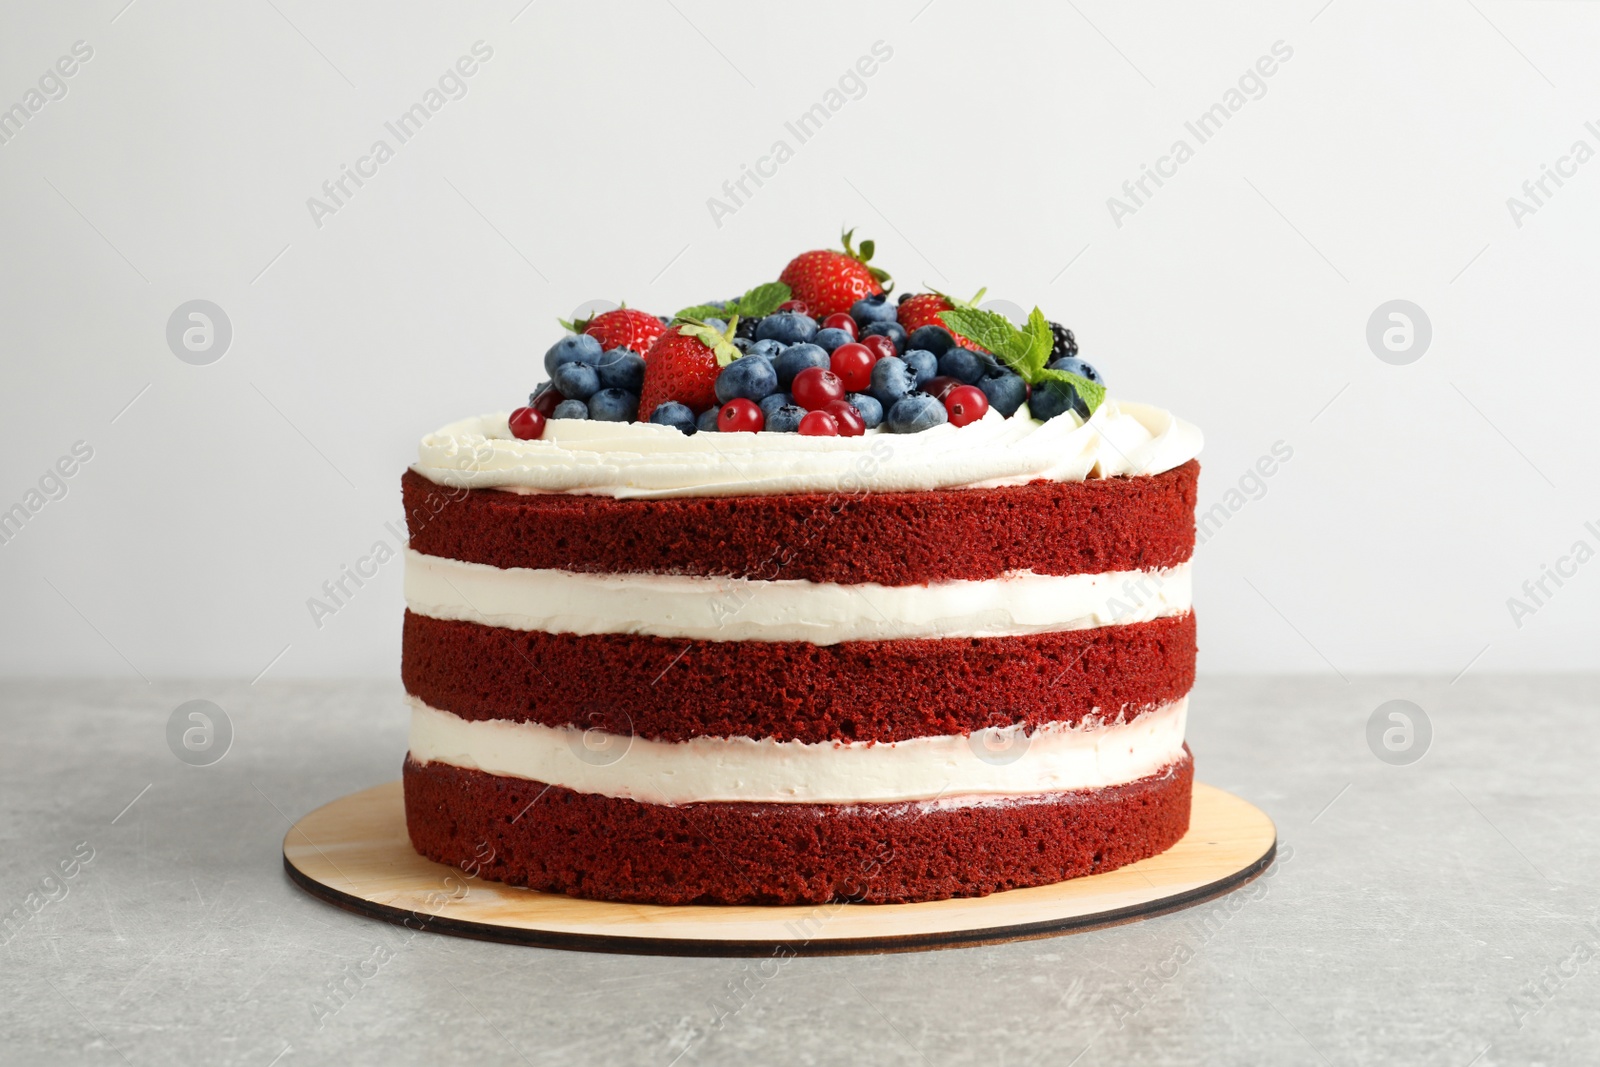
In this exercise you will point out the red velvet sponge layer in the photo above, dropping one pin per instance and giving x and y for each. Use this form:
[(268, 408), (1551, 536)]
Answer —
[(1088, 527), (603, 848), (672, 690)]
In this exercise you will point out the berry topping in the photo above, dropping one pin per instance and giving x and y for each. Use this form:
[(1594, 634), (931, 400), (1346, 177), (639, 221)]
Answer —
[(614, 405), (815, 388), (840, 320), (964, 404), (830, 281), (922, 362), (1064, 344), (706, 422), (924, 309), (941, 385), (672, 413), (1073, 365), (527, 424), (875, 308), (871, 411), (830, 339), (683, 365), (851, 424), (767, 348), (786, 419), (773, 402), (621, 368), (625, 327), (1005, 391), (962, 365), (797, 306), (790, 327), (892, 330), (935, 339), (750, 377), (571, 409), (740, 416), (1051, 398), (573, 348), (545, 400), (892, 379), (819, 424), (796, 359), (578, 381), (915, 413), (853, 364), (880, 345)]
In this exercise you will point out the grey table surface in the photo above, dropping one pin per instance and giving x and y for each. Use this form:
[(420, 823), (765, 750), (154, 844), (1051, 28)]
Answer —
[(1441, 912)]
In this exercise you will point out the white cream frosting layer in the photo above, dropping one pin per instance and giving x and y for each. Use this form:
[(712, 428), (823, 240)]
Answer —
[(743, 609), (958, 768), (645, 460)]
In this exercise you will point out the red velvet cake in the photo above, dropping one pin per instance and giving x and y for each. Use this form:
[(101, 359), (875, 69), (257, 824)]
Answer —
[(936, 643)]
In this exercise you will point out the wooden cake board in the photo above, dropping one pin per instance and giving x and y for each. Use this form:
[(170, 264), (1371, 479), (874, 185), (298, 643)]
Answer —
[(354, 853)]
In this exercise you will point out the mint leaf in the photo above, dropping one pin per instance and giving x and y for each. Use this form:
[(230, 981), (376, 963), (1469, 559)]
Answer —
[(703, 311), (1040, 342), (988, 329), (763, 300)]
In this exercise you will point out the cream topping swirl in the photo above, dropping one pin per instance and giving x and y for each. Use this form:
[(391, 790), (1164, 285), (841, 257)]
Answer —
[(644, 460)]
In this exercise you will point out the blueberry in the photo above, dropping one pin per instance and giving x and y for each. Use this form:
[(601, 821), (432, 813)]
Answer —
[(1050, 399), (935, 339), (892, 330), (623, 368), (751, 377), (831, 338), (892, 379), (961, 365), (672, 413), (1073, 365), (773, 402), (707, 422), (795, 359), (786, 419), (742, 343), (923, 364), (720, 325), (874, 309), (1006, 392), (573, 348), (577, 381), (915, 413), (571, 409), (539, 390), (768, 348), (991, 365), (871, 410), (614, 405), (790, 327)]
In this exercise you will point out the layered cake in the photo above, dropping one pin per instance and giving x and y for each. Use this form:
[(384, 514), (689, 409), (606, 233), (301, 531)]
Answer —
[(671, 637)]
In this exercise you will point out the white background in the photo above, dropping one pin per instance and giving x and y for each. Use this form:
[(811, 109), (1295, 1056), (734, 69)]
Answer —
[(578, 166)]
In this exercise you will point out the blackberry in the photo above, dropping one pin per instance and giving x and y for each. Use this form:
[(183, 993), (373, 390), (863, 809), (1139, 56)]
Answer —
[(1066, 344), (747, 328)]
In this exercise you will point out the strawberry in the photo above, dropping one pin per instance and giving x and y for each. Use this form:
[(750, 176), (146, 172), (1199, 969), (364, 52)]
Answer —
[(624, 327), (828, 282), (683, 365), (923, 310)]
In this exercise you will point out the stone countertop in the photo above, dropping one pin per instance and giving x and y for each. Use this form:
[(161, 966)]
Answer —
[(1442, 912)]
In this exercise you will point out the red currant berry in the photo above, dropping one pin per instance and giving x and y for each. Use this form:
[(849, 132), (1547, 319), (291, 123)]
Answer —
[(853, 364), (964, 404), (881, 346), (840, 320), (795, 305), (527, 424), (815, 388), (939, 386), (851, 424), (740, 415), (546, 402), (819, 424)]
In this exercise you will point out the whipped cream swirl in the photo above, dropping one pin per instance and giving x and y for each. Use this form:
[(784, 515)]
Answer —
[(644, 460)]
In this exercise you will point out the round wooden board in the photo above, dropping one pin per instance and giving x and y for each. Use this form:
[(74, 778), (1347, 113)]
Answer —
[(354, 853)]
